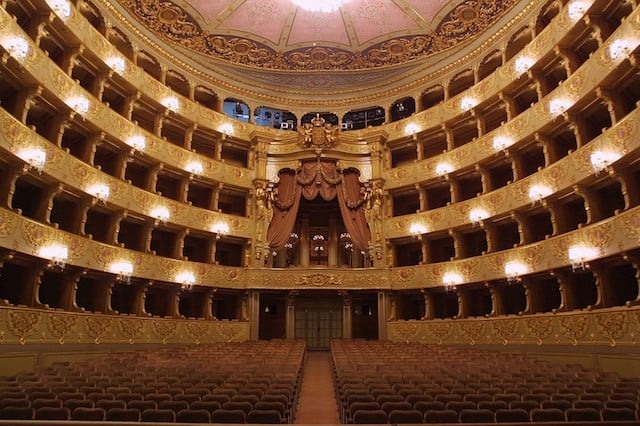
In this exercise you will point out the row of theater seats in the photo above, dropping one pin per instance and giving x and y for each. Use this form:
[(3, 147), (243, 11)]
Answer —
[(384, 382), (254, 382)]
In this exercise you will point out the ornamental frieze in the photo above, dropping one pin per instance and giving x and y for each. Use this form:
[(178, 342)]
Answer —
[(175, 25)]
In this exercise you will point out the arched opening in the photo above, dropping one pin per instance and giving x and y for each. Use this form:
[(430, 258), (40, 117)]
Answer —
[(236, 109), (363, 118), (275, 118), (403, 108)]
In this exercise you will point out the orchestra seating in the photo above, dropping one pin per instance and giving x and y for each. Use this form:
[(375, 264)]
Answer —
[(381, 381), (189, 384)]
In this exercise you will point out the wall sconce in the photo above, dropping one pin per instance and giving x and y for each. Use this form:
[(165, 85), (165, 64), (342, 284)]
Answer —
[(317, 242), (57, 255), (292, 241), (559, 105), (468, 103), (579, 254), (443, 168), (417, 229), (619, 48), (123, 269), (34, 157), (138, 143), (195, 168), (171, 103), (576, 9), (62, 8), (539, 191), (79, 104), (523, 64), (412, 129), (220, 228), (17, 46), (477, 215), (451, 279), (500, 143), (601, 159), (226, 129), (161, 214), (100, 191), (116, 63), (346, 241), (187, 279), (514, 271)]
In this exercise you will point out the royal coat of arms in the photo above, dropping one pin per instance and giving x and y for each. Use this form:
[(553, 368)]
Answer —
[(318, 134)]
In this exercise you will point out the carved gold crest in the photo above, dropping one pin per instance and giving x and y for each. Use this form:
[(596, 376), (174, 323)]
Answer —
[(318, 134)]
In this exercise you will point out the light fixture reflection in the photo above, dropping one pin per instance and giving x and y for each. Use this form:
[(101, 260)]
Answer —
[(171, 103), (468, 103), (477, 215), (443, 168), (601, 159), (187, 279), (79, 104), (138, 143), (160, 213), (576, 9), (619, 49), (100, 191), (559, 105), (56, 253), (116, 63), (412, 129), (195, 167), (417, 229), (450, 279), (17, 46), (123, 269), (34, 157), (226, 129), (502, 143), (539, 191), (514, 270), (220, 228), (579, 254), (524, 63), (62, 8)]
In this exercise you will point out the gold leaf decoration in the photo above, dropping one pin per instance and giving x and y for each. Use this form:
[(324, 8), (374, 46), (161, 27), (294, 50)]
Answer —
[(61, 325)]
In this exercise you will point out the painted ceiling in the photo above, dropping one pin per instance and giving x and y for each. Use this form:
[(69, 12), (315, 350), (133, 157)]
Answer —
[(277, 35)]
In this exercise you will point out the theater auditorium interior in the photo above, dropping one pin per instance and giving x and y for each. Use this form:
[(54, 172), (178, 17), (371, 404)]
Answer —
[(320, 211)]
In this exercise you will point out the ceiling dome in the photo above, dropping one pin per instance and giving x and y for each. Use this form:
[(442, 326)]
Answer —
[(278, 35)]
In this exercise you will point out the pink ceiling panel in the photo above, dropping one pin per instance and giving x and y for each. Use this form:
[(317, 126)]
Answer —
[(264, 18), (374, 18), (427, 9), (309, 27), (210, 9)]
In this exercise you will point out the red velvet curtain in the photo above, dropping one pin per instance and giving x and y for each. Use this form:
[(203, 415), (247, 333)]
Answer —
[(352, 207), (285, 209), (326, 180)]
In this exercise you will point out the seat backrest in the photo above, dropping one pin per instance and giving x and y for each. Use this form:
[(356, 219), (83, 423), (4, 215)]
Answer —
[(17, 413), (264, 416), (587, 414), (388, 407), (90, 414), (228, 416), (405, 416), (52, 413), (232, 405), (441, 416), (424, 406), (193, 416), (547, 415), (123, 415), (476, 416), (46, 402), (155, 415), (620, 414), (370, 417), (512, 415)]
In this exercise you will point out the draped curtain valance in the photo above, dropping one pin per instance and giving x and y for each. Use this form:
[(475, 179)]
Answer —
[(325, 179)]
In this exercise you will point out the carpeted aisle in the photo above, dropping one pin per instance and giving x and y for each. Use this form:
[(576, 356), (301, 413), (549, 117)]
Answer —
[(317, 402)]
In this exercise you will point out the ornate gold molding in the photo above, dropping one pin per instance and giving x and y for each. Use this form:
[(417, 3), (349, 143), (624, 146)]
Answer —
[(606, 327), (175, 25), (31, 326)]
